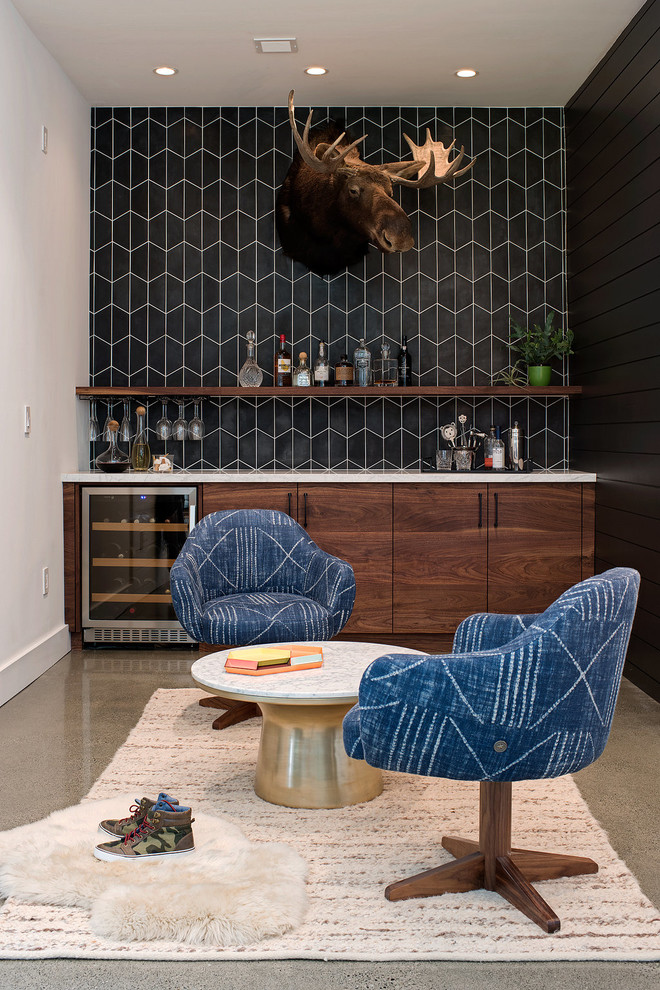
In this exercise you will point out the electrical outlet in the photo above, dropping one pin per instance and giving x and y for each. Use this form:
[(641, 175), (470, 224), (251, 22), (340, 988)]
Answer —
[(45, 582)]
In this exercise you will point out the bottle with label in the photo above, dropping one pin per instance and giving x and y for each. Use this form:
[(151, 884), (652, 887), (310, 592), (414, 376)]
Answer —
[(321, 366), (405, 364), (344, 371), (282, 364), (250, 375), (488, 450), (362, 364), (498, 451), (302, 376), (140, 452)]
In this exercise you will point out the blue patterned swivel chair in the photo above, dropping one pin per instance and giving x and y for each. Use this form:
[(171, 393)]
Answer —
[(251, 576), (521, 697)]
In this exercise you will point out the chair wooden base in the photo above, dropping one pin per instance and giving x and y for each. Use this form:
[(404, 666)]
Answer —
[(235, 711), (492, 864)]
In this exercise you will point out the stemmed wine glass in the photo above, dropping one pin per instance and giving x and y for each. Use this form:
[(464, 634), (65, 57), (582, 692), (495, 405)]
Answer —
[(125, 428), (164, 424), (108, 420), (196, 426), (94, 428), (180, 426)]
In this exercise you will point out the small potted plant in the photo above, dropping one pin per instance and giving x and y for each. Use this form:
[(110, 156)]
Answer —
[(538, 346)]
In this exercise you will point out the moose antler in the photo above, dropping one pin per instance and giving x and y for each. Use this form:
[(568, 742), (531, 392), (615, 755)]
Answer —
[(430, 163), (331, 159)]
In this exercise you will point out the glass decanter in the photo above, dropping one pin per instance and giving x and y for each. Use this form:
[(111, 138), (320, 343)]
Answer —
[(113, 459), (250, 375), (140, 451)]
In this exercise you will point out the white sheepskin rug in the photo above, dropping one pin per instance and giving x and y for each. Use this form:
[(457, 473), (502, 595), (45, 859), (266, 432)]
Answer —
[(229, 892)]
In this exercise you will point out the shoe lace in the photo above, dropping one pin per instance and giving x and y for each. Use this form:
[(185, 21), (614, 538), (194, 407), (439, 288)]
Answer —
[(134, 810), (139, 833)]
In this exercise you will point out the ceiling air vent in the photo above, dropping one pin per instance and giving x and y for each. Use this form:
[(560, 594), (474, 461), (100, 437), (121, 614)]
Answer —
[(272, 46)]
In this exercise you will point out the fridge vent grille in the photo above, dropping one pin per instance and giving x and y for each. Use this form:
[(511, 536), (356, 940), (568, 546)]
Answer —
[(100, 635)]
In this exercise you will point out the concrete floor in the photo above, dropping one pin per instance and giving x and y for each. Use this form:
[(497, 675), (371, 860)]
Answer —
[(58, 735)]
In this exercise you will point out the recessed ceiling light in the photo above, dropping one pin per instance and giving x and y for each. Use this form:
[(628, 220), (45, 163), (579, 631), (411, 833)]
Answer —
[(316, 70), (165, 70), (466, 73)]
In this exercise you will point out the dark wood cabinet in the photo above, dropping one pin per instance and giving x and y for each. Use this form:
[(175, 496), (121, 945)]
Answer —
[(354, 522), (217, 498), (534, 545), (440, 556)]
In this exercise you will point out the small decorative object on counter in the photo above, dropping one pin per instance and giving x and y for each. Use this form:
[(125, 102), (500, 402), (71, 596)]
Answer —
[(516, 447), (282, 365), (498, 451), (162, 462), (140, 451), (250, 375), (362, 364), (302, 376), (405, 364), (113, 459), (344, 371), (385, 367), (322, 366)]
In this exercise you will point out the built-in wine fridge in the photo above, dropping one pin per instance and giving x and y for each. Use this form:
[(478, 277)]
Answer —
[(131, 538)]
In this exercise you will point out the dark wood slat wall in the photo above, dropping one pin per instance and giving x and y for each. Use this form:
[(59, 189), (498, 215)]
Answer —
[(613, 218)]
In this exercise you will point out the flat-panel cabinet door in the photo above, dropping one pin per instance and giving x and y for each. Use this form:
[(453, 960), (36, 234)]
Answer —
[(354, 522), (254, 496), (440, 555), (534, 545)]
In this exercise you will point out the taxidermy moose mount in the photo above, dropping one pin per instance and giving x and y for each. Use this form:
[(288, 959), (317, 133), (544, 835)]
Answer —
[(332, 205)]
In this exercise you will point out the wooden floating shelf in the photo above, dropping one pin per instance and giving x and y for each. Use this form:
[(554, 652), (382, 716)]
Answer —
[(334, 392)]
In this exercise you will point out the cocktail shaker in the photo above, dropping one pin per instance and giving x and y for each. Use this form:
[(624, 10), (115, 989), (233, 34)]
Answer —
[(516, 447)]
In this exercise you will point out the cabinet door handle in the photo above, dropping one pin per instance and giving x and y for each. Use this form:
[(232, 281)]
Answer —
[(305, 520), (289, 509), (497, 510), (480, 510), (192, 517)]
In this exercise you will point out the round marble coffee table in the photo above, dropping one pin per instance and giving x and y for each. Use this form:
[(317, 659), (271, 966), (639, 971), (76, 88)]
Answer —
[(301, 761)]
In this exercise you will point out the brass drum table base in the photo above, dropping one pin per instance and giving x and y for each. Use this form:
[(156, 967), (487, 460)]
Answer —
[(302, 762)]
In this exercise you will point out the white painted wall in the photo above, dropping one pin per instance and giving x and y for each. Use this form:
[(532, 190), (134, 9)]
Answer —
[(44, 245)]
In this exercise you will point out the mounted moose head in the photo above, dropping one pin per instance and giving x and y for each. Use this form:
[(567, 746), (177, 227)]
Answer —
[(332, 205)]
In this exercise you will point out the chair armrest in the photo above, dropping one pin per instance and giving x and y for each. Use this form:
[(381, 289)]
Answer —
[(489, 630), (187, 594), (330, 581)]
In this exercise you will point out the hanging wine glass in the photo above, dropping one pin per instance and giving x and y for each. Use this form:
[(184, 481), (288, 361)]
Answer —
[(106, 426), (196, 426), (125, 428), (180, 426), (164, 424), (94, 428)]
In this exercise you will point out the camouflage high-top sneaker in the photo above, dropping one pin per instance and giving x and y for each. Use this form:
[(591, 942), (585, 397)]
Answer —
[(165, 831), (117, 828)]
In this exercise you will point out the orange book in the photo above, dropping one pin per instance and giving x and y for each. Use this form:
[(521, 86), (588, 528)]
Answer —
[(272, 669)]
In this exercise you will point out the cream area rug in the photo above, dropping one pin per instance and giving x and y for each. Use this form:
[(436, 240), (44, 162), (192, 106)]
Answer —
[(351, 854)]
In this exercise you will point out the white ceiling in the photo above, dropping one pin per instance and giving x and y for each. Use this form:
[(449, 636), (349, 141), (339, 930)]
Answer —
[(379, 52)]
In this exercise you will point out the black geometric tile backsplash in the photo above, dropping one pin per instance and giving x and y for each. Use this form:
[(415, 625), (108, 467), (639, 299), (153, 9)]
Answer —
[(185, 260)]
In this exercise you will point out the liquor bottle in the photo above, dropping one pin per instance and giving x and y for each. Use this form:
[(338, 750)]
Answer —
[(112, 459), (140, 452), (282, 364), (405, 364), (250, 375), (344, 371), (488, 450), (321, 366), (498, 451), (302, 374), (362, 364)]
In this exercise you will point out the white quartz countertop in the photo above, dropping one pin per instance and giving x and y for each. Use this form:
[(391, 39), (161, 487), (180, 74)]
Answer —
[(328, 477)]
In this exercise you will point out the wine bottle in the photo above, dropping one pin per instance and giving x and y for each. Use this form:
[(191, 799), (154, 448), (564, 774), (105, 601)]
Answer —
[(405, 364), (282, 364)]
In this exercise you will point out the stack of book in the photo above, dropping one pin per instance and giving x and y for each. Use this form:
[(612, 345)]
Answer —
[(258, 660)]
